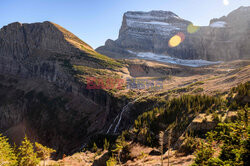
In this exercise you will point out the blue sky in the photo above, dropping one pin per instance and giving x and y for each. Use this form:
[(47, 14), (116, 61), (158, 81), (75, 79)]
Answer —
[(95, 21)]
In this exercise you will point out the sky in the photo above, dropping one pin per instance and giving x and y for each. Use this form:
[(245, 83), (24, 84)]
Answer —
[(95, 21)]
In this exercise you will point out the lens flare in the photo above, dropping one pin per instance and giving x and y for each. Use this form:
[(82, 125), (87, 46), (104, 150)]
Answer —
[(176, 40), (182, 36), (226, 2), (192, 29)]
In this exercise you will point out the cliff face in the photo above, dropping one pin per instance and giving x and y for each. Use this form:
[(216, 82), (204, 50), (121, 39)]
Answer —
[(224, 39), (41, 94), (147, 31), (144, 32)]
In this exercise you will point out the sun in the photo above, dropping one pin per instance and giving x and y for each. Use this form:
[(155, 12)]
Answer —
[(226, 2)]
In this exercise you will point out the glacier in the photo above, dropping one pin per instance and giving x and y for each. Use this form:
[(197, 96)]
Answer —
[(172, 60)]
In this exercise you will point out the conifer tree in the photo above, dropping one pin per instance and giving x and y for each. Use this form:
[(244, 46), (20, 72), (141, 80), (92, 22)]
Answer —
[(44, 152), (119, 146), (7, 155), (106, 144), (161, 142), (26, 154), (94, 148), (169, 144)]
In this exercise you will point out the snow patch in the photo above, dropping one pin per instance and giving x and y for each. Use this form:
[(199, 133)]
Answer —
[(153, 25), (157, 23), (218, 24), (168, 59), (148, 16)]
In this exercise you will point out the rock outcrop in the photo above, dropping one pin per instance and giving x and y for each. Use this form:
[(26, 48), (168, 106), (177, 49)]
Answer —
[(226, 38)]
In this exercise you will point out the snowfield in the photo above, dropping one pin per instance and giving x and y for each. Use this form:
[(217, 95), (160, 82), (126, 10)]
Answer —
[(147, 16), (168, 59), (157, 23), (218, 24), (158, 27)]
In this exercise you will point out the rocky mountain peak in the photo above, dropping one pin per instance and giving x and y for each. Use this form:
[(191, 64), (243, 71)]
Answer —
[(237, 19), (42, 36), (26, 48), (226, 38)]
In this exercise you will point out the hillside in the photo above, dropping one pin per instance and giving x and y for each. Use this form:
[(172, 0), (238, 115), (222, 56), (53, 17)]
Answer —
[(44, 71)]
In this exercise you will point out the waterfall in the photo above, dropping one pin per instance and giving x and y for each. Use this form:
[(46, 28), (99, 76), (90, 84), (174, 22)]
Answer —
[(112, 124), (124, 109)]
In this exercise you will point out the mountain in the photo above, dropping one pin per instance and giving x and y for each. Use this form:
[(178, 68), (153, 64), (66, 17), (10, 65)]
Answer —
[(22, 41), (226, 38), (44, 70)]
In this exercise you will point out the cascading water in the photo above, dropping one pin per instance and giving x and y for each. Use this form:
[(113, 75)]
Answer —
[(124, 109), (112, 124)]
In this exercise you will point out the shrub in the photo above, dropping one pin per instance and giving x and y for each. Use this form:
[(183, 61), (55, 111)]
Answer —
[(121, 149), (203, 154), (215, 162), (111, 162), (215, 117), (189, 145)]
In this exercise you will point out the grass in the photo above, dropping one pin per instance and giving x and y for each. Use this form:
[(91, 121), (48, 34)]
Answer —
[(101, 59), (88, 53), (109, 80), (196, 83), (189, 88), (89, 71), (179, 90), (213, 78), (197, 90)]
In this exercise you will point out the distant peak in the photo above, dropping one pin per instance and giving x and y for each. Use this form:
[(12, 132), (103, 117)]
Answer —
[(244, 7)]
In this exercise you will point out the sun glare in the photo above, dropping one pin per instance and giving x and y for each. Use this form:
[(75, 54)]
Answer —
[(192, 29), (226, 2), (174, 41)]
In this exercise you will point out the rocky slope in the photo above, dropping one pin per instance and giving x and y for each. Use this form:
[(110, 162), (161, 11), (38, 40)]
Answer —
[(43, 86), (226, 38)]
